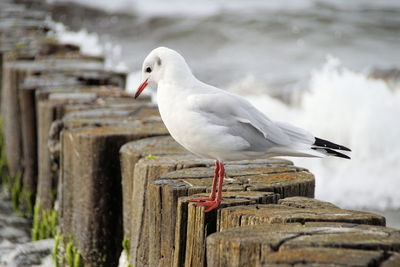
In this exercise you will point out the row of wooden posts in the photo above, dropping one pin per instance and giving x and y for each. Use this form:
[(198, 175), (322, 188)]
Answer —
[(97, 171)]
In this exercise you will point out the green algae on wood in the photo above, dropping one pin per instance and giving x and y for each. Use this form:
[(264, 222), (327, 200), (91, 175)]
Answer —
[(73, 257), (21, 198), (44, 223), (126, 247), (13, 183), (150, 156), (58, 238)]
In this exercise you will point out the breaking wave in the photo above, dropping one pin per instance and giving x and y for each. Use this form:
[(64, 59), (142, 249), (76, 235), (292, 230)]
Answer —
[(362, 113)]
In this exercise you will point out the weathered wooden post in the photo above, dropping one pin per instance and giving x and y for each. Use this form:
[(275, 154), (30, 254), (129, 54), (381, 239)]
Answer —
[(146, 171), (193, 225), (277, 176), (89, 107), (280, 214), (48, 111), (91, 203), (19, 128), (134, 188), (311, 243)]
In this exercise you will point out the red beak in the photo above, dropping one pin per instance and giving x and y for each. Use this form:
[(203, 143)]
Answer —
[(141, 88)]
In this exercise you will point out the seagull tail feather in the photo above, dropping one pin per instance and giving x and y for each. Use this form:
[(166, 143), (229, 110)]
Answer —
[(321, 143), (331, 152)]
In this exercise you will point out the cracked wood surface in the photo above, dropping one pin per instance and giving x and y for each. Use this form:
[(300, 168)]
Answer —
[(311, 243), (193, 225), (280, 214), (273, 175)]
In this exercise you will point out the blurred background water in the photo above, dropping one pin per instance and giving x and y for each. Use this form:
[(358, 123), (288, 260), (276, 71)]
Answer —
[(332, 67)]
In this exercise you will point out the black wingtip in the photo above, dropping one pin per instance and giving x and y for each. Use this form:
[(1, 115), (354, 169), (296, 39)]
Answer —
[(326, 144), (331, 152)]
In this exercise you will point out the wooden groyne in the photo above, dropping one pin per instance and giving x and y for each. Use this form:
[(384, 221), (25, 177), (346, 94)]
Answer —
[(97, 171)]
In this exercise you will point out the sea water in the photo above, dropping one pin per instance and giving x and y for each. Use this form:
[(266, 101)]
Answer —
[(331, 67)]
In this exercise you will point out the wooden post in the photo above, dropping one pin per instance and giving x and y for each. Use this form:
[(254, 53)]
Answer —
[(160, 155), (11, 118), (50, 144), (19, 41), (47, 112), (19, 127), (137, 217), (92, 204), (276, 176), (306, 202), (29, 148), (14, 75), (280, 214), (312, 243), (50, 110), (193, 225), (130, 154)]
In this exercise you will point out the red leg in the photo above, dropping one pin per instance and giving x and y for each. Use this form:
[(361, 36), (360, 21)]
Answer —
[(213, 189), (215, 203)]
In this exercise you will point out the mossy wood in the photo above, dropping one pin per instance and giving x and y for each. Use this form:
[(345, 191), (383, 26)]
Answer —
[(91, 200)]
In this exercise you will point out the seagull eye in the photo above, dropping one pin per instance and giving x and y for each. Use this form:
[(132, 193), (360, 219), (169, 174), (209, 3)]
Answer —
[(148, 69)]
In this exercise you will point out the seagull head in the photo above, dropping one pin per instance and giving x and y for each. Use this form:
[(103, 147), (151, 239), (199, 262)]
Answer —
[(163, 64)]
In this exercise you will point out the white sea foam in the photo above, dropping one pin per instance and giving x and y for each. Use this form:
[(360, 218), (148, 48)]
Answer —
[(349, 108), (181, 7), (210, 7), (90, 44)]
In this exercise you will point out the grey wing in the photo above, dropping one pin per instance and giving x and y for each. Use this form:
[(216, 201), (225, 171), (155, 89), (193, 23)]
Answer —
[(242, 119)]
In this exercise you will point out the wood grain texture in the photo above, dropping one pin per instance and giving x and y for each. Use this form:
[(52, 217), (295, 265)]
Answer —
[(309, 244), (57, 103), (135, 180), (130, 154), (277, 176), (92, 210), (280, 214), (193, 225)]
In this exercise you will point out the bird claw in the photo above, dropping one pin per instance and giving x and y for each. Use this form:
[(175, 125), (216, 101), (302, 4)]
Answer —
[(212, 204)]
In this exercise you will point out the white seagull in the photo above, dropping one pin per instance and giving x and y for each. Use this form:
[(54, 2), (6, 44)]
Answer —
[(216, 124)]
